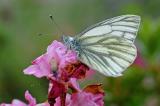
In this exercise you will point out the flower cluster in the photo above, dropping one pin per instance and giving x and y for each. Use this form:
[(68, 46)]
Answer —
[(62, 68)]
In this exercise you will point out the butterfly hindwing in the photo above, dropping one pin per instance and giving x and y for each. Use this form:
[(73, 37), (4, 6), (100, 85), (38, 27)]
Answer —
[(110, 57)]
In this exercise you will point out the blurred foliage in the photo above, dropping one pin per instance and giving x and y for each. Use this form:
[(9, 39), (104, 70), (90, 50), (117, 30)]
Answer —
[(21, 22)]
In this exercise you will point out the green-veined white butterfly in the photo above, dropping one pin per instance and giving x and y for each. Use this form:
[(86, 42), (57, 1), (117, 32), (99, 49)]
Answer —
[(108, 46)]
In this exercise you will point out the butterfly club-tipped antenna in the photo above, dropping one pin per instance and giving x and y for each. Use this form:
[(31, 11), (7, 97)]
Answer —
[(65, 39), (57, 26)]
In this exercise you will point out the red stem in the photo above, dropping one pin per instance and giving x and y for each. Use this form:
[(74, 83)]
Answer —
[(63, 99)]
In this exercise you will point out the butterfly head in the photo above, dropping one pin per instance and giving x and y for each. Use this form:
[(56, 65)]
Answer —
[(71, 43), (67, 40)]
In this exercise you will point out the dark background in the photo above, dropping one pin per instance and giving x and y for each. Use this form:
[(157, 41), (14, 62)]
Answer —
[(22, 22)]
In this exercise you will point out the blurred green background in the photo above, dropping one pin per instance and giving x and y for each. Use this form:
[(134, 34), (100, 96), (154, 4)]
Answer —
[(21, 22)]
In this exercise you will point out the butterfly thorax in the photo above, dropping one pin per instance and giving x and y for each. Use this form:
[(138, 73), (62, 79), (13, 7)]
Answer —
[(72, 44)]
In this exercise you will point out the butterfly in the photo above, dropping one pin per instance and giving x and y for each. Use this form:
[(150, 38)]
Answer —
[(108, 46)]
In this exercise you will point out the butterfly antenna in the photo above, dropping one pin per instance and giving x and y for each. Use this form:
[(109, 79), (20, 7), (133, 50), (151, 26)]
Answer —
[(54, 22)]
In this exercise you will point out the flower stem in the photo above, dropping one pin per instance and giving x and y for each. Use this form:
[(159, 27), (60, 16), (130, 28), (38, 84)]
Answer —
[(63, 99)]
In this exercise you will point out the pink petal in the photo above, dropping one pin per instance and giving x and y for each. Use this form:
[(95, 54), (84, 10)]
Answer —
[(139, 61), (56, 50), (82, 99), (68, 58), (18, 103), (98, 98), (30, 99), (4, 104), (15, 102), (68, 99), (59, 52), (43, 104), (74, 84), (71, 56), (90, 73), (40, 67)]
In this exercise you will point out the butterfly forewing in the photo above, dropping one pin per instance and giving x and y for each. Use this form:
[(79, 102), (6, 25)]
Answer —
[(125, 26), (108, 46)]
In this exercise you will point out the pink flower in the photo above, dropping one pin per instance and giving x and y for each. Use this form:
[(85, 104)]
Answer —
[(86, 99), (82, 99), (59, 62), (43, 65), (57, 59), (139, 61), (15, 102), (56, 90), (29, 98), (58, 100), (63, 69), (91, 95)]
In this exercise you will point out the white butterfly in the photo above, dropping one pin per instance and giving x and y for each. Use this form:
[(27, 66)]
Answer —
[(107, 47)]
